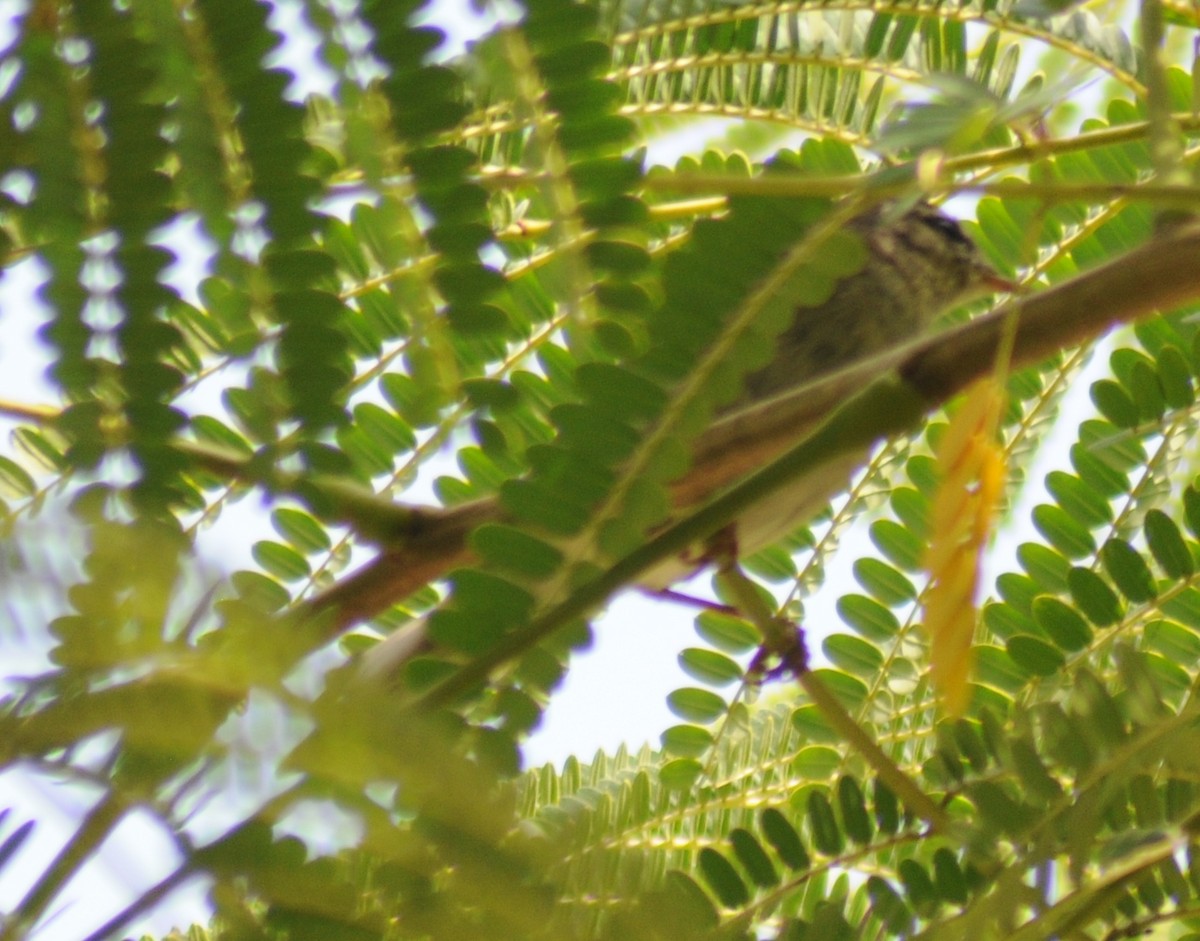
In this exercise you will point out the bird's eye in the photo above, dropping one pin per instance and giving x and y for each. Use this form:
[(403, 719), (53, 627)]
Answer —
[(946, 226)]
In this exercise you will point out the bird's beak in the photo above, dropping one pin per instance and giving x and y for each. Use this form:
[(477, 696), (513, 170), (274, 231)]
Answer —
[(995, 282)]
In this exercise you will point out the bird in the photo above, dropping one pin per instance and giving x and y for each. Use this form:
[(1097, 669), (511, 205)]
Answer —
[(919, 264)]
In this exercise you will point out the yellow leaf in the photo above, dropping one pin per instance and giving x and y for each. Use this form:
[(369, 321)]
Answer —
[(973, 471)]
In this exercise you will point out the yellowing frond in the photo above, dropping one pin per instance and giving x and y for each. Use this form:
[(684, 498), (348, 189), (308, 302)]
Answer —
[(973, 473)]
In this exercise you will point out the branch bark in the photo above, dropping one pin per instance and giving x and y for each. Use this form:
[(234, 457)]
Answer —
[(1158, 276)]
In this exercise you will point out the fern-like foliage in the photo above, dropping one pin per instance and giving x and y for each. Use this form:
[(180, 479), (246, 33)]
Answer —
[(476, 277)]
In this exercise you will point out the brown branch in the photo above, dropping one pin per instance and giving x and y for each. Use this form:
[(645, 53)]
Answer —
[(373, 517), (437, 544), (1160, 275)]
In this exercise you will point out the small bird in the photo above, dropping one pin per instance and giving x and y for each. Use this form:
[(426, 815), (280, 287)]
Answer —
[(919, 265)]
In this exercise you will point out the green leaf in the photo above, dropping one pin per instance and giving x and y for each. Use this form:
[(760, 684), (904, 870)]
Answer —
[(1004, 620), (1035, 655), (301, 530), (207, 428), (772, 564), (1048, 568), (1180, 797), (1104, 716), (753, 858), (533, 502), (620, 257), (598, 177), (1147, 392), (815, 762), (463, 260), (997, 667), (948, 877), (902, 32), (488, 594), (40, 448), (590, 432), (823, 825), (999, 808), (1032, 771), (697, 705), (922, 894), (680, 774), (15, 479), (1094, 597), (339, 240), (371, 457), (1176, 378), (1065, 741), (812, 726), (686, 741), (722, 878), (491, 393), (884, 582), (1018, 591), (1173, 641), (384, 427), (888, 905), (853, 655), (1114, 403), (708, 666), (901, 546), (1062, 531), (971, 744), (851, 691), (690, 908), (510, 549), (261, 593), (1128, 570), (1167, 545), (784, 839), (887, 808), (912, 509), (1097, 472), (282, 561), (855, 818), (727, 632), (1061, 623), (1191, 509), (1078, 499), (868, 617), (1184, 606), (923, 471)]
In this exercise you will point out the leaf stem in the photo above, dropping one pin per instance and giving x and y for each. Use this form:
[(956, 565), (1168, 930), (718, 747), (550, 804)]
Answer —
[(142, 903), (895, 183), (904, 787), (1166, 147), (782, 639), (93, 830)]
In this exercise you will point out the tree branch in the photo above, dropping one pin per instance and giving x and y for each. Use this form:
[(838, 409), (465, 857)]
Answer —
[(1160, 275)]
